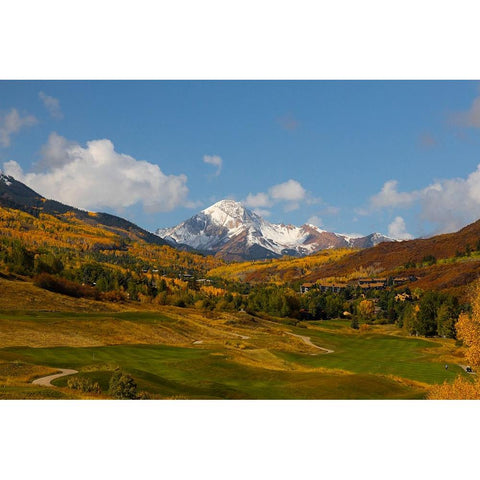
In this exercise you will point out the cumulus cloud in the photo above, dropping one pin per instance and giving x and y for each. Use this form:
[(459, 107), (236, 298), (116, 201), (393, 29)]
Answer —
[(470, 117), (262, 212), (58, 151), (258, 200), (12, 122), (52, 104), (398, 230), (389, 196), (315, 220), (214, 160), (96, 176), (290, 193), (450, 204)]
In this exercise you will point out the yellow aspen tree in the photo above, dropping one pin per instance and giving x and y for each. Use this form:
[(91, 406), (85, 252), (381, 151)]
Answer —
[(468, 330)]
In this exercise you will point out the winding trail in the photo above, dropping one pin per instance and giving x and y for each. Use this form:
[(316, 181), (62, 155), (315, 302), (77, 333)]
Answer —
[(464, 367), (243, 337), (46, 381), (308, 341)]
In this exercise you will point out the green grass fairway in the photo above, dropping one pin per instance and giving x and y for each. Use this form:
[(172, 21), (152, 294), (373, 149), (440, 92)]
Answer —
[(162, 353), (191, 373), (406, 357)]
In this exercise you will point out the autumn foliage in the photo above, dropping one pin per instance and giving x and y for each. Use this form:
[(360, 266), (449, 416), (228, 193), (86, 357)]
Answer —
[(366, 310), (468, 330), (460, 389), (62, 285), (281, 270)]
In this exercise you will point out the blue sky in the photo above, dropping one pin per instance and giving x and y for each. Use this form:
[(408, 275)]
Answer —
[(328, 152)]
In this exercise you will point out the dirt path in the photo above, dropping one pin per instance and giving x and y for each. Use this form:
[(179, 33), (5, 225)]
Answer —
[(308, 341), (243, 337), (46, 381), (464, 367)]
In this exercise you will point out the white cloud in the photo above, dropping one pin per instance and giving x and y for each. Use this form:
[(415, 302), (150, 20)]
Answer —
[(315, 220), (214, 160), (450, 204), (262, 212), (389, 196), (98, 177), (398, 230), (290, 207), (52, 104), (290, 193), (259, 200), (58, 151), (12, 122), (469, 118)]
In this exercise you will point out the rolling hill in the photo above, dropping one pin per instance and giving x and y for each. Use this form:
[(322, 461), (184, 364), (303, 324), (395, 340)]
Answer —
[(37, 228), (442, 262), (16, 195)]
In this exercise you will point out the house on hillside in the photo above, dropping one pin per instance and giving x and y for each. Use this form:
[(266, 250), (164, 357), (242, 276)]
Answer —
[(401, 280), (305, 287), (372, 283), (332, 287)]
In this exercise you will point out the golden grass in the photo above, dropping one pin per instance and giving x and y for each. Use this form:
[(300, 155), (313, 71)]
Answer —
[(15, 373), (174, 326), (263, 358), (24, 296)]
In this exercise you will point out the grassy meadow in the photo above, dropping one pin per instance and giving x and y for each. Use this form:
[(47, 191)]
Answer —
[(183, 353)]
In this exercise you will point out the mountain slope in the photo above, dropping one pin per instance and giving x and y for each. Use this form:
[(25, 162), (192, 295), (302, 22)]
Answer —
[(388, 256), (34, 232), (453, 267), (14, 194), (231, 231), (447, 262)]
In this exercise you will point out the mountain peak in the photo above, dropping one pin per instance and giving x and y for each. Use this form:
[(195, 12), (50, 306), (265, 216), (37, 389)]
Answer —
[(226, 203), (227, 206), (230, 214), (315, 227), (234, 232)]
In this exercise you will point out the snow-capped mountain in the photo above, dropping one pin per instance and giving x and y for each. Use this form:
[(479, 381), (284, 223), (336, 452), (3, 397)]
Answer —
[(234, 232)]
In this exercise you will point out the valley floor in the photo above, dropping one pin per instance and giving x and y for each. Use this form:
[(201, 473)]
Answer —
[(177, 353)]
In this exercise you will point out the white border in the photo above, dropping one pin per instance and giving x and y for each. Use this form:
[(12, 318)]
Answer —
[(238, 40), (248, 39), (237, 439)]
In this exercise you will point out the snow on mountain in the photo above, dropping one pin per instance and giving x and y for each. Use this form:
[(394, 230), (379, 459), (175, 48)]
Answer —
[(5, 179), (235, 232)]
